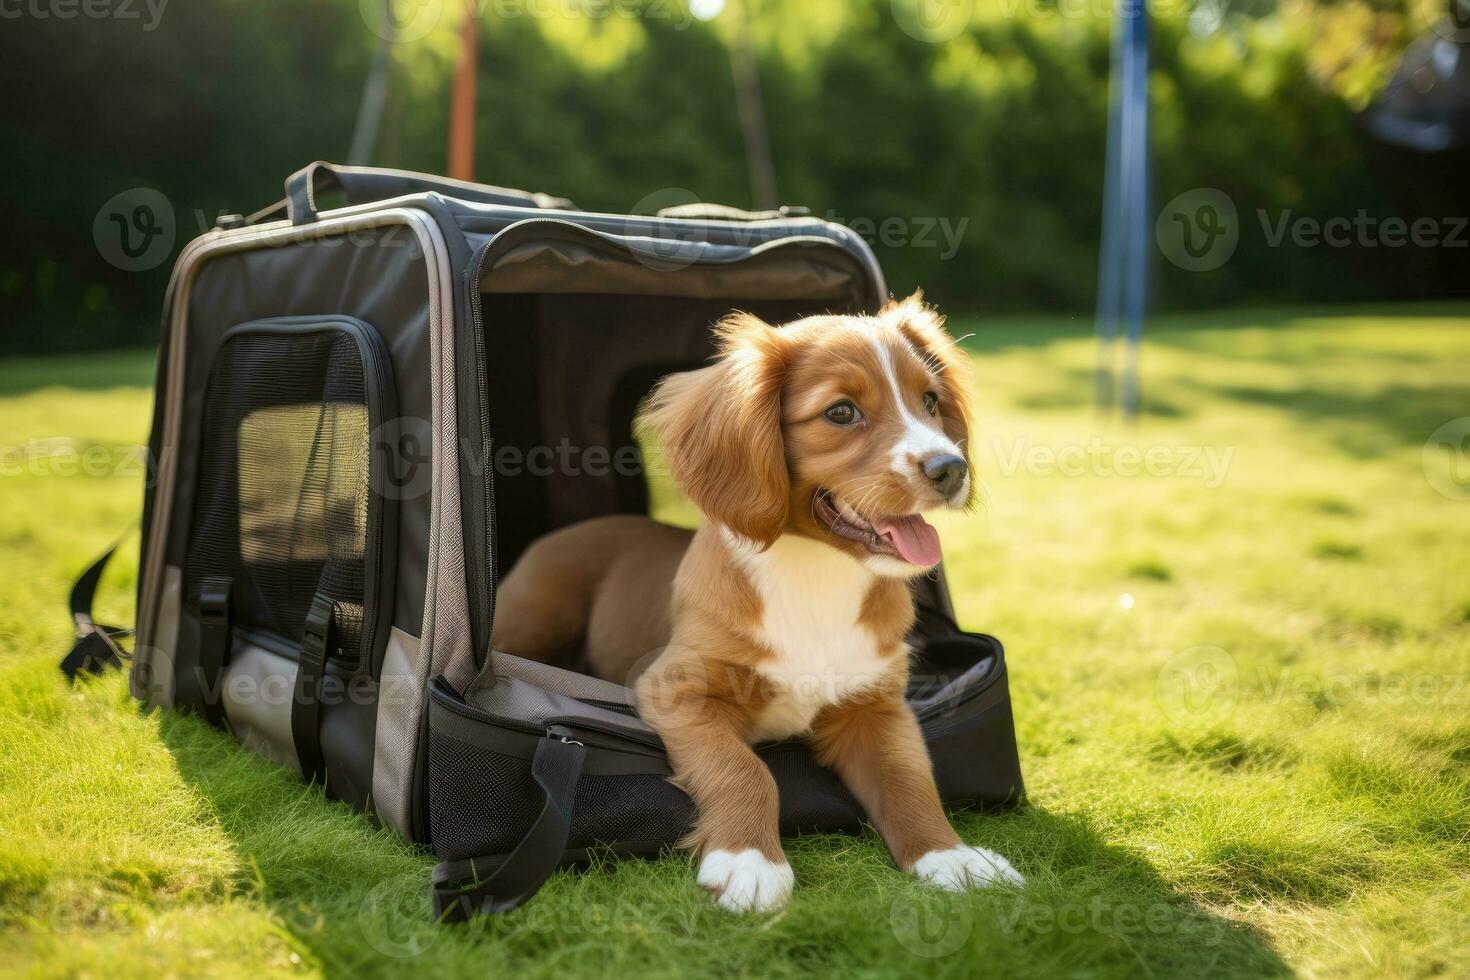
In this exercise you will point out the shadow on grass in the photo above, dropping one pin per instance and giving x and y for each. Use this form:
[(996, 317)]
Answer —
[(354, 898), (348, 890), (1401, 413), (1093, 906)]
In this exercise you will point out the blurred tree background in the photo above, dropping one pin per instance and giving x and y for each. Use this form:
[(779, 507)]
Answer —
[(987, 115)]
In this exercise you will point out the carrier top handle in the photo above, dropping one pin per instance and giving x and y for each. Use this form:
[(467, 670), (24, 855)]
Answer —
[(364, 184)]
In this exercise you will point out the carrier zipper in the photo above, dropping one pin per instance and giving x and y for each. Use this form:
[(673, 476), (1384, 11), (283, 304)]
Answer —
[(652, 740), (482, 588), (381, 391), (564, 735), (443, 693), (449, 699)]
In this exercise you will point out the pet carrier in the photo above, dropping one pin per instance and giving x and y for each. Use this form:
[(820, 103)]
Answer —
[(364, 414)]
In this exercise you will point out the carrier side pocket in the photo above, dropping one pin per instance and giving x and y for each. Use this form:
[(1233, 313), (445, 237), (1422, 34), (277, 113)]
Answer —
[(489, 799), (290, 527)]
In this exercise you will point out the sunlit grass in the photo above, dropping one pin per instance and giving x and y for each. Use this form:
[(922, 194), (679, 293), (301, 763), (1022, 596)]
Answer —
[(1256, 763)]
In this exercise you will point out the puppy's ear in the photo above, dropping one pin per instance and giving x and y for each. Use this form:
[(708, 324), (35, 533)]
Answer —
[(720, 430), (923, 326)]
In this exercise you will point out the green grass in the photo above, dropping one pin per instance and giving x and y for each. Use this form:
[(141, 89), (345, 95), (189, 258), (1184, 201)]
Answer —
[(1241, 675)]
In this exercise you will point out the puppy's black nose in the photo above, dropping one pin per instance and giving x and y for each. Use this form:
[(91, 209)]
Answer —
[(947, 472)]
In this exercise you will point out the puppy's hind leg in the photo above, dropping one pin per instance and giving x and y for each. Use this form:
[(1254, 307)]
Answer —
[(542, 607)]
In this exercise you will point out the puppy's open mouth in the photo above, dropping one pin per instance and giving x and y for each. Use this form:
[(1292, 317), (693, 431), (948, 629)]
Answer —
[(907, 537)]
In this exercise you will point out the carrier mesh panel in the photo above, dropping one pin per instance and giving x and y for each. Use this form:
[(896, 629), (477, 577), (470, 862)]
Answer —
[(641, 809), (282, 505), (481, 803), (813, 799)]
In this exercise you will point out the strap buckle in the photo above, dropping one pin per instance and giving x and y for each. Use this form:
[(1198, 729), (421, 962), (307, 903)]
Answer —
[(214, 646), (214, 600), (318, 628)]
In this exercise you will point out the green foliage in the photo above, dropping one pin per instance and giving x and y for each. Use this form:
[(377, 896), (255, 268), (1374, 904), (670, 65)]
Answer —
[(974, 163)]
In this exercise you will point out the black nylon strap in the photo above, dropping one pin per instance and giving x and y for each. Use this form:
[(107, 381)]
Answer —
[(460, 891), (215, 638), (96, 646), (306, 704)]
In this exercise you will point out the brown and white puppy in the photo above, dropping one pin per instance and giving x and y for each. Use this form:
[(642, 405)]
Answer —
[(812, 449)]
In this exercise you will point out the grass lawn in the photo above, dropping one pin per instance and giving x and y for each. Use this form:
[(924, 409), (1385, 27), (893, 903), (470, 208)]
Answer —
[(1239, 638)]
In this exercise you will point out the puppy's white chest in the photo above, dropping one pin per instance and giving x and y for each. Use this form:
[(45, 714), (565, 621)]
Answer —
[(812, 597)]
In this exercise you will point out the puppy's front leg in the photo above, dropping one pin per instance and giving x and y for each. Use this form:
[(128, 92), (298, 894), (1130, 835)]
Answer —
[(875, 746), (737, 833)]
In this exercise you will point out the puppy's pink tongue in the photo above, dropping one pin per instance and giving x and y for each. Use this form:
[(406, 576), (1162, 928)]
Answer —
[(914, 537)]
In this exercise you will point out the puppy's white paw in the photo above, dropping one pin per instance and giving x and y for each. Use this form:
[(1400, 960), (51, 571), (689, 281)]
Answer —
[(747, 881), (963, 867)]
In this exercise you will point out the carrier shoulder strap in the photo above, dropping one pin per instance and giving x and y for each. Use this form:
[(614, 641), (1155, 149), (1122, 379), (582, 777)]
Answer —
[(96, 647), (215, 631), (317, 640), (460, 892)]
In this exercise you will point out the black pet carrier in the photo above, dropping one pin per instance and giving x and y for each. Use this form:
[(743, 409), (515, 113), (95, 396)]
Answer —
[(343, 459)]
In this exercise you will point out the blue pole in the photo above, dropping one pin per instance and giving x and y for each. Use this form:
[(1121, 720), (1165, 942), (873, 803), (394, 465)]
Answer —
[(1122, 289), (1109, 288), (1135, 282)]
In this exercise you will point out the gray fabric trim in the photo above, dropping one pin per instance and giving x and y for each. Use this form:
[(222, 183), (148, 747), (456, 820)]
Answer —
[(257, 692), (152, 677), (510, 697), (447, 640), (400, 699), (559, 681), (444, 646)]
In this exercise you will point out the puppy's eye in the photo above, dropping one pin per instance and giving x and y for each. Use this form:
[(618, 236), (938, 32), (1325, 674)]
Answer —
[(931, 402), (843, 413)]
